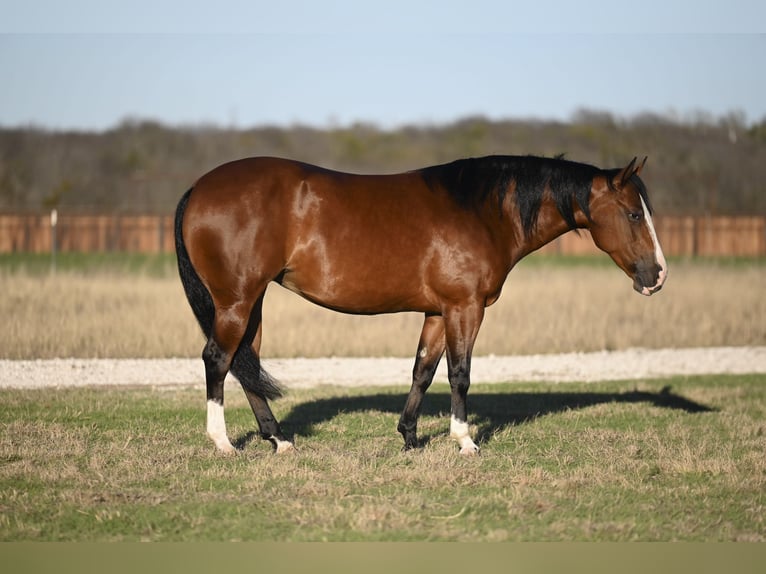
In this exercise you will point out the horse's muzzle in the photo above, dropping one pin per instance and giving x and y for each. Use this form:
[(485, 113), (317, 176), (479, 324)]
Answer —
[(648, 279)]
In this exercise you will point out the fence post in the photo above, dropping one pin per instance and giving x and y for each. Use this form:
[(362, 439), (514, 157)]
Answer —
[(54, 224), (695, 240), (160, 234)]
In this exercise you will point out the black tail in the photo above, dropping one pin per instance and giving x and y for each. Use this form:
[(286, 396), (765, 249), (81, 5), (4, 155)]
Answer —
[(196, 293), (246, 365)]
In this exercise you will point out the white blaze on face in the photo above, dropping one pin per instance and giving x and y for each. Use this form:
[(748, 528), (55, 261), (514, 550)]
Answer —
[(658, 255), (216, 427)]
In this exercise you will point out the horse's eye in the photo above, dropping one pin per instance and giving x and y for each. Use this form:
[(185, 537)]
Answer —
[(635, 215)]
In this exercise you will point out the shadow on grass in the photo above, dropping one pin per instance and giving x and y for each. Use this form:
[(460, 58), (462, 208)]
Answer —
[(491, 412)]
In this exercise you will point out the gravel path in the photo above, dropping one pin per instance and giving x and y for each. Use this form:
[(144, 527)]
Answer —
[(303, 373)]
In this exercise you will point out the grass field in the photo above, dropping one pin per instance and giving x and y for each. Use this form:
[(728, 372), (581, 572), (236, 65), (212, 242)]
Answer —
[(133, 306), (607, 461)]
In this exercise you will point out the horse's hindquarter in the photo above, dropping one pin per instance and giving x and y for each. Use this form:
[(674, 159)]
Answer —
[(359, 244)]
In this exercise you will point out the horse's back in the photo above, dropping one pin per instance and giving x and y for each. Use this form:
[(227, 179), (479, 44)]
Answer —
[(239, 179), (357, 243)]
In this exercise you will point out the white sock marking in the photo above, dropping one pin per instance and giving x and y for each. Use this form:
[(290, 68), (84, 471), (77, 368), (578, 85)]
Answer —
[(282, 445), (216, 427), (459, 430)]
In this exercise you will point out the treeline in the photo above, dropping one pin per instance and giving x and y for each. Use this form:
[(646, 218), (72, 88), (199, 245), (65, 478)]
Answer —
[(696, 167)]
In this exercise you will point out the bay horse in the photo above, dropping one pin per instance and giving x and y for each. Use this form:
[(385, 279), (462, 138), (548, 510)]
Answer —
[(438, 241)]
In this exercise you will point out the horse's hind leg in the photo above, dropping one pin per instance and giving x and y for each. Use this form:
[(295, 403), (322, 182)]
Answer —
[(430, 349), (228, 329), (267, 422)]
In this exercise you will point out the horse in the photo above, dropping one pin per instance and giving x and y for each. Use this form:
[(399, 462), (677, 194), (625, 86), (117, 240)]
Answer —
[(438, 241)]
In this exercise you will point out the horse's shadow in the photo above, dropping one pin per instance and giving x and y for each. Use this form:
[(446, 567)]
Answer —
[(491, 411)]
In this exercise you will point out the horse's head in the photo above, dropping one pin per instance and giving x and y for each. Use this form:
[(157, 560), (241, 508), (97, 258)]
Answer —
[(621, 225)]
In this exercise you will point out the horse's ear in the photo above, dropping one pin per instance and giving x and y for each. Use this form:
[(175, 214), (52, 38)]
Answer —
[(625, 174), (641, 166)]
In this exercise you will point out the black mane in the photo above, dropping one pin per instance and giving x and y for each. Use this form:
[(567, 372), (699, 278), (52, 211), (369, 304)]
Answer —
[(472, 182)]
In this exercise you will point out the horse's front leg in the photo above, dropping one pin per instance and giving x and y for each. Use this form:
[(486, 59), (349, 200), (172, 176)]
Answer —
[(430, 350), (462, 325)]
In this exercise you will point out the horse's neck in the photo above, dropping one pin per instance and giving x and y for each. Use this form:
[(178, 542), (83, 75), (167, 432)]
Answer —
[(550, 225)]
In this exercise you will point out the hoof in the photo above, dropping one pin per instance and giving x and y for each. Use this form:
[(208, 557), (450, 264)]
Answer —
[(409, 447), (226, 448), (470, 450), (283, 446)]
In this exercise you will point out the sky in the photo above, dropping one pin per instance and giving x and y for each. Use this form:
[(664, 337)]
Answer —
[(89, 65)]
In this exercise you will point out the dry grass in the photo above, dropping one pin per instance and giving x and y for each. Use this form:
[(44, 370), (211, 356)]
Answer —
[(107, 316), (580, 462), (545, 308)]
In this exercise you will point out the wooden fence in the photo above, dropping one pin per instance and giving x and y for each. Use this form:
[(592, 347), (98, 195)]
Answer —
[(685, 236), (742, 236), (86, 233)]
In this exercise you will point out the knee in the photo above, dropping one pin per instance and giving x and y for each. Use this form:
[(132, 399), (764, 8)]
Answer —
[(422, 378), (460, 380)]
